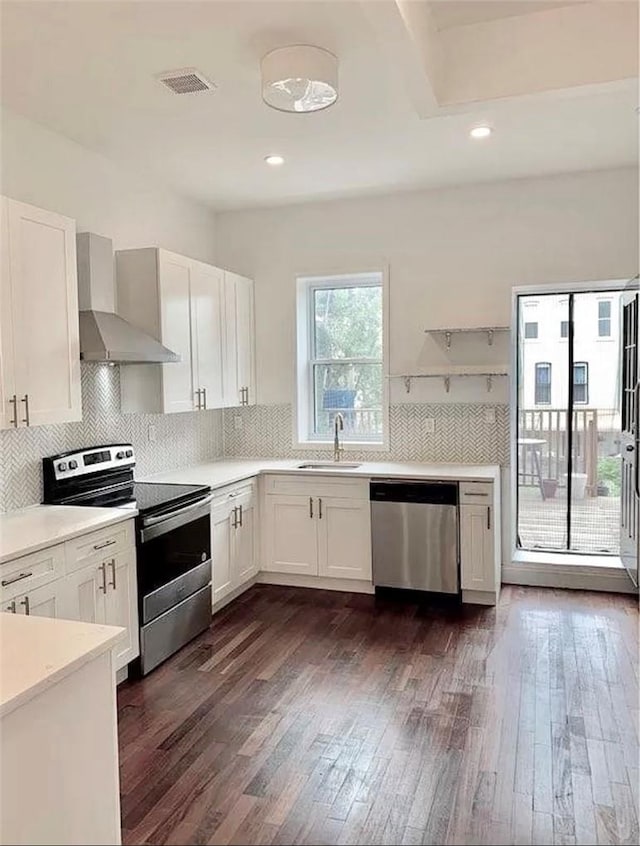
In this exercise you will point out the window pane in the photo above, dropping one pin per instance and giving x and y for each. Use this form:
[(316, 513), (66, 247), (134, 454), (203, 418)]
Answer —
[(564, 328), (543, 384), (604, 308), (604, 327), (354, 390), (348, 322), (531, 330)]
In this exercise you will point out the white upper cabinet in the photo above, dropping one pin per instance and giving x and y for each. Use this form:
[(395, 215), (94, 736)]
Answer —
[(239, 358), (198, 311), (39, 336), (207, 304)]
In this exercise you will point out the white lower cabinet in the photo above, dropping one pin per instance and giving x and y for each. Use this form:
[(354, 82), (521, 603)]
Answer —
[(233, 542), (480, 560), (101, 590), (311, 530)]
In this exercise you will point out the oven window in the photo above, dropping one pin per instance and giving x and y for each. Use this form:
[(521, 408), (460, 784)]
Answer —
[(169, 555)]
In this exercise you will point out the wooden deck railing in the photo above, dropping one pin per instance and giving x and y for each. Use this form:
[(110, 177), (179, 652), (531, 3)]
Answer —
[(550, 425)]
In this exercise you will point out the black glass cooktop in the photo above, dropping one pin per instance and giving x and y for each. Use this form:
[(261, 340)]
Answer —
[(147, 497)]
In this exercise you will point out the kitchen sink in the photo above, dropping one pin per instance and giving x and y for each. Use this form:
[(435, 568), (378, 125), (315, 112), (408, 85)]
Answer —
[(327, 465)]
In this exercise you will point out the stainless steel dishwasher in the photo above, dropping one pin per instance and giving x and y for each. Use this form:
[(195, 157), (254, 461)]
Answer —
[(414, 528)]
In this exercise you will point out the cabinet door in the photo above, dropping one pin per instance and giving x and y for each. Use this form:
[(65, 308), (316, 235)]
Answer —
[(44, 292), (244, 541), (291, 535), (83, 595), (206, 331), (177, 380), (46, 601), (245, 333), (477, 565), (8, 389), (221, 549), (231, 386), (344, 538), (121, 604)]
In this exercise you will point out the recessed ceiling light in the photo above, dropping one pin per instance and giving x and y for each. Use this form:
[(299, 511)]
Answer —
[(274, 161), (481, 132)]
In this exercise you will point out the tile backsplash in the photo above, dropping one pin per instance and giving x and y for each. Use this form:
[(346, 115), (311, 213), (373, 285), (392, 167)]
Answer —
[(180, 439), (463, 432)]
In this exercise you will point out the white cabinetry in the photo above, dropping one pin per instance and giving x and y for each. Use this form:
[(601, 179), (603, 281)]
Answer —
[(198, 311), (479, 543), (239, 363), (233, 543), (39, 335), (91, 579), (317, 527)]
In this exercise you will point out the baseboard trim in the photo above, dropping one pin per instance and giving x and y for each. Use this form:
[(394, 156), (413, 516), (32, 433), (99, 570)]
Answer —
[(321, 582), (235, 593), (570, 576), (479, 597)]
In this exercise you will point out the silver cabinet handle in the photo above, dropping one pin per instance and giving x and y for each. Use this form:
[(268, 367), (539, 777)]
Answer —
[(103, 586), (25, 400), (311, 507), (14, 402), (112, 564), (320, 508), (104, 545), (204, 398), (198, 399), (17, 578), (11, 607), (27, 607), (488, 516), (234, 522), (471, 493), (240, 524)]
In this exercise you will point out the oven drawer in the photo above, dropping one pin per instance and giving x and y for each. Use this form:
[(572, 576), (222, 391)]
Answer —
[(108, 541), (165, 597), (24, 574), (167, 633)]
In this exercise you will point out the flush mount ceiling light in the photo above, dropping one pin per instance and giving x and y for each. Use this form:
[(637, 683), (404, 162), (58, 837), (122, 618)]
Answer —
[(299, 79), (481, 132), (274, 161)]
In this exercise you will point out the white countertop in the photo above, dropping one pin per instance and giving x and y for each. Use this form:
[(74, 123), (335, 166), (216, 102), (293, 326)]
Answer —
[(36, 652), (220, 473), (40, 526)]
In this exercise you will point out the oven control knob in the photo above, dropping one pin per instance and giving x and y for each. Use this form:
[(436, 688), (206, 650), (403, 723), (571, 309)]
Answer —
[(129, 453), (73, 465), (62, 466), (119, 455)]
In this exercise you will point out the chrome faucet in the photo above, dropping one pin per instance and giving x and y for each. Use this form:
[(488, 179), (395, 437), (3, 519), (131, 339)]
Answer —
[(338, 426)]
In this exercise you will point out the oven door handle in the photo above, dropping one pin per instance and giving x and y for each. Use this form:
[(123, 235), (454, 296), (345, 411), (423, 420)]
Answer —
[(153, 527)]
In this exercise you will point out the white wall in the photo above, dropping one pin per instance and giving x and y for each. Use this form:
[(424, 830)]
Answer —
[(46, 169), (454, 255)]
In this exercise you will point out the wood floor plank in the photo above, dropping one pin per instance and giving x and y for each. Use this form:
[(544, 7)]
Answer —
[(311, 717)]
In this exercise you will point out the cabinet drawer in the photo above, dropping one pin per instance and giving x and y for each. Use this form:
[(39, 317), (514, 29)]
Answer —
[(241, 490), (25, 574), (476, 493), (108, 541), (326, 486)]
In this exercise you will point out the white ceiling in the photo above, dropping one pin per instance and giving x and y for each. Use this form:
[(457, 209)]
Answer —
[(448, 14), (86, 69)]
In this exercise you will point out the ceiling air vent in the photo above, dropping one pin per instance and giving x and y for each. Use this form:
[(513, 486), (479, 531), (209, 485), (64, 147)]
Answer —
[(186, 81)]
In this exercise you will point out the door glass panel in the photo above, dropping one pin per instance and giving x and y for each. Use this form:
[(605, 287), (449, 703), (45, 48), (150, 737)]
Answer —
[(542, 441), (596, 465)]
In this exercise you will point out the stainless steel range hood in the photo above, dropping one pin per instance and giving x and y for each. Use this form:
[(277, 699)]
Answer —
[(104, 336)]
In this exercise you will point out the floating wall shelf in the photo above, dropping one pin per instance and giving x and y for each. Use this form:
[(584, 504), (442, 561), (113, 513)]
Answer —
[(489, 331), (447, 376)]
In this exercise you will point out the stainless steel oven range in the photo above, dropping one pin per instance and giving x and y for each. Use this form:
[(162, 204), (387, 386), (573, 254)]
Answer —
[(173, 541)]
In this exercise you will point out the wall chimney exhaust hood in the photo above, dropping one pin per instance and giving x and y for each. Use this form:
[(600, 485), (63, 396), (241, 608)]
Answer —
[(104, 336)]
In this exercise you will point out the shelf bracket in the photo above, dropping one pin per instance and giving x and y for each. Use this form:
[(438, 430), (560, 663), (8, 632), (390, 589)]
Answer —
[(407, 383), (447, 336), (489, 383), (447, 383), (490, 338)]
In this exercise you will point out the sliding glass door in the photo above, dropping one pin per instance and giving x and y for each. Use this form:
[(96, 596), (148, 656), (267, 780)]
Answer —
[(568, 422)]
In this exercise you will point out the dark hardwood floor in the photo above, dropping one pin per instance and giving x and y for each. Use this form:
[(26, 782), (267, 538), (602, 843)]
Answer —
[(313, 717)]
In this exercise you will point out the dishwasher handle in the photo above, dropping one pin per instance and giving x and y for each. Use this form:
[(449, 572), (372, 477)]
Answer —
[(427, 493)]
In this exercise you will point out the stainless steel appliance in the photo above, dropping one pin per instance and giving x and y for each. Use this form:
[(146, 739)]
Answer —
[(173, 541), (414, 528)]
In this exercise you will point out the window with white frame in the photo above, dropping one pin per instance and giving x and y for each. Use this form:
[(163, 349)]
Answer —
[(581, 382), (341, 358), (604, 318)]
